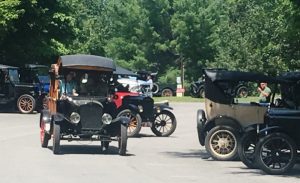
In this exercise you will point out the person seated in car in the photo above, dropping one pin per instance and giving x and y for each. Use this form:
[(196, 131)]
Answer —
[(68, 86), (264, 93)]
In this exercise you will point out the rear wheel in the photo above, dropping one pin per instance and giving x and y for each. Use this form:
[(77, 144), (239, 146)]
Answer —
[(202, 93), (276, 153), (221, 143), (166, 92), (26, 104), (164, 124), (135, 124), (122, 141), (56, 139), (246, 148), (44, 137), (242, 92)]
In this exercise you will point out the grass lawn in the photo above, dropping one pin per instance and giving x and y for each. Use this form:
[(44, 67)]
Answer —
[(190, 99)]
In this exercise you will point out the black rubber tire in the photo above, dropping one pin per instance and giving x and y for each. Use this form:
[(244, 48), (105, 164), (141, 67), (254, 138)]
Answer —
[(56, 139), (202, 93), (104, 146), (44, 137), (246, 149), (278, 141), (135, 124), (122, 141), (167, 92), (231, 134), (161, 121), (242, 92), (194, 91), (155, 88), (26, 104)]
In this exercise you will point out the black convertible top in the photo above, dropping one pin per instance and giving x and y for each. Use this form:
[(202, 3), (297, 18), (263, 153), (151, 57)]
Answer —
[(121, 71), (290, 76), (224, 75), (90, 61), (7, 67), (35, 66)]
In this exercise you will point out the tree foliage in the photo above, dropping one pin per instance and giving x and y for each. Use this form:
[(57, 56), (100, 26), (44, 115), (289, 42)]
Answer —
[(157, 35)]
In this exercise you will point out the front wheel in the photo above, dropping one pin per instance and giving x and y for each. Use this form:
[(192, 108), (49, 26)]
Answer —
[(135, 123), (56, 139), (166, 92), (44, 136), (276, 153), (246, 148), (26, 104), (122, 141), (164, 124), (221, 143), (242, 92)]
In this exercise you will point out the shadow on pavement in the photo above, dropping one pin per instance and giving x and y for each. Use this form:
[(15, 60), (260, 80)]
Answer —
[(88, 149), (190, 154)]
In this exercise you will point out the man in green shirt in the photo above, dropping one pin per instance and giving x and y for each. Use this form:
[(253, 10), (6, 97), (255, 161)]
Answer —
[(264, 93)]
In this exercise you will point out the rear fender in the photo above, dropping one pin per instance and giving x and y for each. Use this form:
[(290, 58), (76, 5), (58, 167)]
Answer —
[(223, 121), (47, 118)]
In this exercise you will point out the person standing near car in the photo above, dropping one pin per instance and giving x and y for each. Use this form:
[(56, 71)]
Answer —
[(264, 93)]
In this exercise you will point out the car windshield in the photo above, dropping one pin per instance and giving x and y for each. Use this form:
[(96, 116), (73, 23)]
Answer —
[(85, 84), (14, 75)]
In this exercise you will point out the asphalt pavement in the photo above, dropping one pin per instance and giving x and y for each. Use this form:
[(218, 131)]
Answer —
[(178, 158)]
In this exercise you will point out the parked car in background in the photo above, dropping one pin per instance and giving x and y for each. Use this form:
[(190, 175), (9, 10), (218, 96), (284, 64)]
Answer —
[(272, 146), (87, 112), (24, 96), (39, 77), (221, 125), (197, 89)]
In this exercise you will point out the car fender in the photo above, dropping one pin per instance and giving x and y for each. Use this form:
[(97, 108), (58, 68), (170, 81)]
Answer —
[(270, 129), (133, 108), (201, 120), (162, 107), (222, 121), (46, 117)]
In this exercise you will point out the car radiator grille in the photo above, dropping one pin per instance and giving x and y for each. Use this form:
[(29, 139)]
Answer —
[(91, 116)]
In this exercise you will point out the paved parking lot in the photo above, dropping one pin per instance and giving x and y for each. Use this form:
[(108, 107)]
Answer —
[(178, 158)]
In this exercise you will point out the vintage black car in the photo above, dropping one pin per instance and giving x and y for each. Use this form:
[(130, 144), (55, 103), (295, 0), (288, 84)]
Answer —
[(25, 96), (220, 126), (142, 111), (81, 105), (197, 89), (273, 145)]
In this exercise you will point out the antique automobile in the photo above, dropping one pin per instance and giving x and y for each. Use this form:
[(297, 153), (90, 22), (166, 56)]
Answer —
[(273, 145), (220, 126), (24, 96), (81, 105), (197, 89), (38, 76), (142, 111)]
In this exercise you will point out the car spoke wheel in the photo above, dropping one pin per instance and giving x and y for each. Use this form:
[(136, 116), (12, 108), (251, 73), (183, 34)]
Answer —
[(167, 93), (242, 92), (122, 141), (246, 148), (26, 104), (276, 153), (135, 124), (164, 124), (221, 143), (202, 93), (56, 139), (44, 137)]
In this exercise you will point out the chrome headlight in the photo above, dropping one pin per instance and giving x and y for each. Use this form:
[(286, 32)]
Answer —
[(75, 117), (158, 109), (106, 118), (141, 109)]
